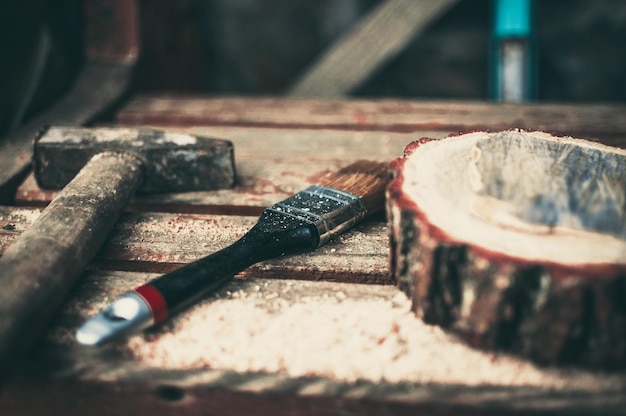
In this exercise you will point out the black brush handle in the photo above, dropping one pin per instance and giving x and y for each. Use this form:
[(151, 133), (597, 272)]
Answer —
[(273, 236), (300, 223)]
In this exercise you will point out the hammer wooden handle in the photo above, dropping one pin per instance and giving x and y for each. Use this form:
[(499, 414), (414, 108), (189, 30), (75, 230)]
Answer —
[(38, 270)]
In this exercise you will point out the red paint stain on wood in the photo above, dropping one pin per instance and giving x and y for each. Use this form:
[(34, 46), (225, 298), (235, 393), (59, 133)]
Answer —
[(362, 119)]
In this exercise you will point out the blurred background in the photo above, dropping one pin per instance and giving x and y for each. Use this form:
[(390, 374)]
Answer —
[(261, 47)]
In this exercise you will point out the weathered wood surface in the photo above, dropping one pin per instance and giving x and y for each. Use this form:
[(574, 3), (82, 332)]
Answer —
[(39, 268), (266, 346), (160, 242), (282, 146), (99, 170), (602, 122), (271, 164), (515, 240)]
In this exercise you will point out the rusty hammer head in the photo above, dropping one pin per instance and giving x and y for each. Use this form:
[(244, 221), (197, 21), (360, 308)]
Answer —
[(171, 162)]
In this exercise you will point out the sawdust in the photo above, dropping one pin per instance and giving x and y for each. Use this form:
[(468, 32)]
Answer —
[(357, 333), (21, 217)]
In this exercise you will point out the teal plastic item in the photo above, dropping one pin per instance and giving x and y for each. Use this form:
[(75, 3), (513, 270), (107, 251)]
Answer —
[(512, 18)]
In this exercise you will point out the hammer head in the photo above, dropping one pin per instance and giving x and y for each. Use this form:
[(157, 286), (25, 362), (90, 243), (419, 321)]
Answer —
[(171, 162)]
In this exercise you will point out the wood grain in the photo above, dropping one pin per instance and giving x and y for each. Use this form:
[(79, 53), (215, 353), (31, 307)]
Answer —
[(42, 264), (517, 243), (591, 121), (271, 164), (281, 147), (384, 360), (159, 242)]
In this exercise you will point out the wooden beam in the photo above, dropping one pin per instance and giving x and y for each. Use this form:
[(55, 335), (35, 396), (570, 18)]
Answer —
[(375, 40), (156, 242), (601, 122), (272, 164)]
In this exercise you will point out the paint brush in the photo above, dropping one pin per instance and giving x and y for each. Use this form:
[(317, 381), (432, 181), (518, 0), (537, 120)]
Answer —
[(300, 223)]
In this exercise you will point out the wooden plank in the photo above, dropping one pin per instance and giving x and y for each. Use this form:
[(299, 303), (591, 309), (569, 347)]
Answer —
[(592, 121), (271, 163), (289, 347), (142, 374), (160, 243), (373, 41)]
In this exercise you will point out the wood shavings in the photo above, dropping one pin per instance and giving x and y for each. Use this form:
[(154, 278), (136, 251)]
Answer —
[(358, 332)]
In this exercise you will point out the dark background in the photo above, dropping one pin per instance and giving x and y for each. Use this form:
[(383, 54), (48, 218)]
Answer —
[(260, 47)]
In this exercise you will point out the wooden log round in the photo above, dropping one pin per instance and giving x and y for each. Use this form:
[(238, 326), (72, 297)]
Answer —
[(516, 240)]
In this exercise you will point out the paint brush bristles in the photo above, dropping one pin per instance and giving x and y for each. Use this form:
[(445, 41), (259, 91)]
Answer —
[(364, 178), (298, 224)]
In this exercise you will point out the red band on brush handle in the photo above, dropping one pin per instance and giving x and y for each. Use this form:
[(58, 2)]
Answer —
[(155, 301)]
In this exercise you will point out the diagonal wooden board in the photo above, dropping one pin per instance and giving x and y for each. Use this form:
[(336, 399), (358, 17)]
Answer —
[(374, 40), (111, 51)]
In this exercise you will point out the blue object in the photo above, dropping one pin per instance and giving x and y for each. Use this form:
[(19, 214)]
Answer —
[(512, 60), (512, 18)]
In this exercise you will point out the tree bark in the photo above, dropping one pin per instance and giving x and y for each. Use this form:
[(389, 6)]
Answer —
[(515, 241)]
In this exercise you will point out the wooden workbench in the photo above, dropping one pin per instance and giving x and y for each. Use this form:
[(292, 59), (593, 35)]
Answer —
[(324, 333)]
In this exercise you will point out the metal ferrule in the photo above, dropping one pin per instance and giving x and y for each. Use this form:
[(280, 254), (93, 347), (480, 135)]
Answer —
[(127, 314), (330, 210)]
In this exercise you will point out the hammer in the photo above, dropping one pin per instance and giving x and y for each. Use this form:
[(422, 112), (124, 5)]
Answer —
[(100, 169)]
